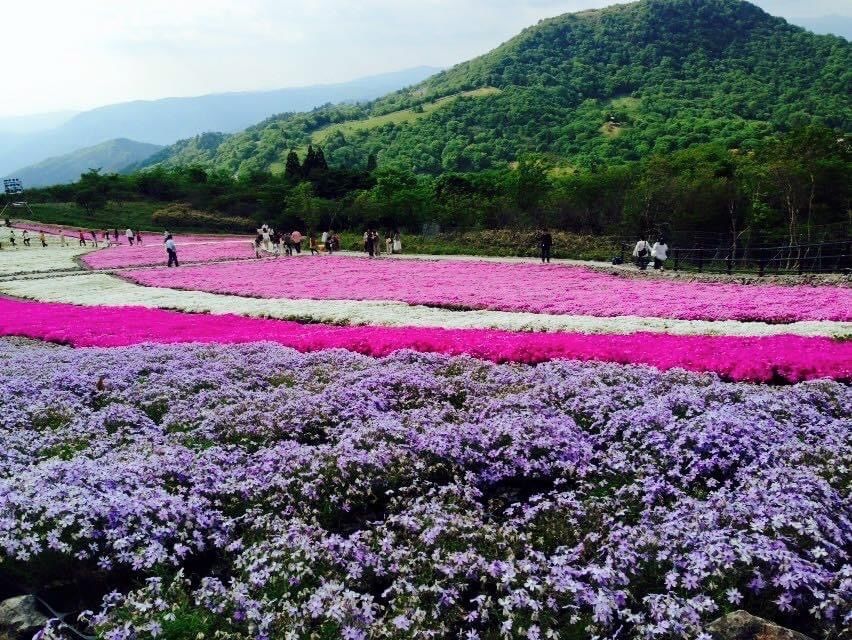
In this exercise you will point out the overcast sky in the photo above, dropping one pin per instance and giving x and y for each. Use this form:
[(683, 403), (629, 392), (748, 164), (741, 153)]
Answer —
[(87, 53)]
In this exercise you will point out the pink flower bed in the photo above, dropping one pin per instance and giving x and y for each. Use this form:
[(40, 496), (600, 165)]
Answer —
[(190, 250), (508, 287), (775, 358)]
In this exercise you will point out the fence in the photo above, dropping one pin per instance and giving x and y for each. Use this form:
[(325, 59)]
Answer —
[(826, 257)]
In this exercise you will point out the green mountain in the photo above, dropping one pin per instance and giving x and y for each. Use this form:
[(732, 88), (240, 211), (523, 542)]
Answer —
[(602, 86), (110, 156)]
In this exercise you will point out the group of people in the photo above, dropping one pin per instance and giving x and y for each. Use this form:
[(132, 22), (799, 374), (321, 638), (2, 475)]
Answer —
[(131, 236), (269, 240), (373, 243), (644, 253), (26, 240)]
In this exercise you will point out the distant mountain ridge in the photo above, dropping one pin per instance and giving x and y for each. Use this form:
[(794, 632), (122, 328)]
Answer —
[(111, 157), (598, 86), (167, 120)]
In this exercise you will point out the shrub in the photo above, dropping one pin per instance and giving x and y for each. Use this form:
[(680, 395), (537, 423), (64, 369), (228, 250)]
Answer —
[(178, 216)]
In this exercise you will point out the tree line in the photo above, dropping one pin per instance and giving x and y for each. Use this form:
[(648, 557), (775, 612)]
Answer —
[(790, 189)]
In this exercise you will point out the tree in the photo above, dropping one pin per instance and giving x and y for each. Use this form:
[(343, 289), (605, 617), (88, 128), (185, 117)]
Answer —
[(90, 199), (310, 162), (293, 170), (372, 163), (531, 184), (319, 161)]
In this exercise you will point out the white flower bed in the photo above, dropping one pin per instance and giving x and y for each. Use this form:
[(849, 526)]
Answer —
[(103, 289), (35, 258)]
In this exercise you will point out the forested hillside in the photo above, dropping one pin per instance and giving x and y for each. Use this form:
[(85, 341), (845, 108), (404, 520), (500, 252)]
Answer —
[(586, 89)]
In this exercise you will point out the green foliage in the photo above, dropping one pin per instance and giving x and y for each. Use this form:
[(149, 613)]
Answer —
[(594, 88)]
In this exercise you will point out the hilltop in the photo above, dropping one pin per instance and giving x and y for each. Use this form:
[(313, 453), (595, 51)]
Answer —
[(601, 86)]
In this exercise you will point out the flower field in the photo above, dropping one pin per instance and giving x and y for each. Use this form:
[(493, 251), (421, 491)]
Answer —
[(424, 495), (193, 249), (333, 447), (554, 289)]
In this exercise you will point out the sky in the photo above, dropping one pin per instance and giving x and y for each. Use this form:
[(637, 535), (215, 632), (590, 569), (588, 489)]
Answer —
[(87, 53)]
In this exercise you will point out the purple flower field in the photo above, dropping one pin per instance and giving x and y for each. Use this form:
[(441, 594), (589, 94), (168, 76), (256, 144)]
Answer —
[(250, 491)]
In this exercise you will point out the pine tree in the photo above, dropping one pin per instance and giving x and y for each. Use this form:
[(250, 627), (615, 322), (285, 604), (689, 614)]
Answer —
[(372, 163), (293, 169), (310, 162), (321, 164)]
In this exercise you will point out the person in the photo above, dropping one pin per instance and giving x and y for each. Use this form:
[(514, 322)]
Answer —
[(397, 243), (324, 238), (312, 244), (171, 249), (288, 244), (105, 238), (641, 252), (545, 244), (166, 235), (41, 238), (130, 236), (276, 243), (329, 244), (12, 240), (335, 241), (265, 233), (62, 241), (377, 243), (138, 238), (258, 239), (367, 242), (388, 244), (296, 236), (115, 235), (660, 253), (82, 239), (25, 236)]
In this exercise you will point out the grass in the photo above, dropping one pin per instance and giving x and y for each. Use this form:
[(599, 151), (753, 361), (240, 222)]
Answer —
[(497, 243), (135, 215)]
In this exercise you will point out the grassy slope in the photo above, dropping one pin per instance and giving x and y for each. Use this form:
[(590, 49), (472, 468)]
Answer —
[(403, 116)]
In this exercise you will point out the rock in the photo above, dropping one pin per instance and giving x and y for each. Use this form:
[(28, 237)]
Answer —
[(741, 625), (20, 618)]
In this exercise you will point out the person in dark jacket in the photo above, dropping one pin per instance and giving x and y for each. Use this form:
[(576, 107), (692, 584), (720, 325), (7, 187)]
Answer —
[(545, 243)]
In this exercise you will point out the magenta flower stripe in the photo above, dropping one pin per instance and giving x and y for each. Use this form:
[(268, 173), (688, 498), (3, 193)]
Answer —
[(507, 287), (775, 358)]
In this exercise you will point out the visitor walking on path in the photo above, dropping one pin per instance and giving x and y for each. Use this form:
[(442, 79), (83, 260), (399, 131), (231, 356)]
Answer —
[(82, 239), (42, 238), (115, 235), (258, 239), (63, 242), (171, 249), (26, 237), (296, 237), (276, 243), (642, 253), (12, 240), (388, 244), (545, 244), (397, 242), (660, 253), (367, 242), (138, 238), (312, 244), (129, 234)]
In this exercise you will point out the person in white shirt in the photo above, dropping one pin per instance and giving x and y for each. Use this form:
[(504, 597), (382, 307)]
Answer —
[(129, 235), (660, 253), (171, 249), (642, 253)]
